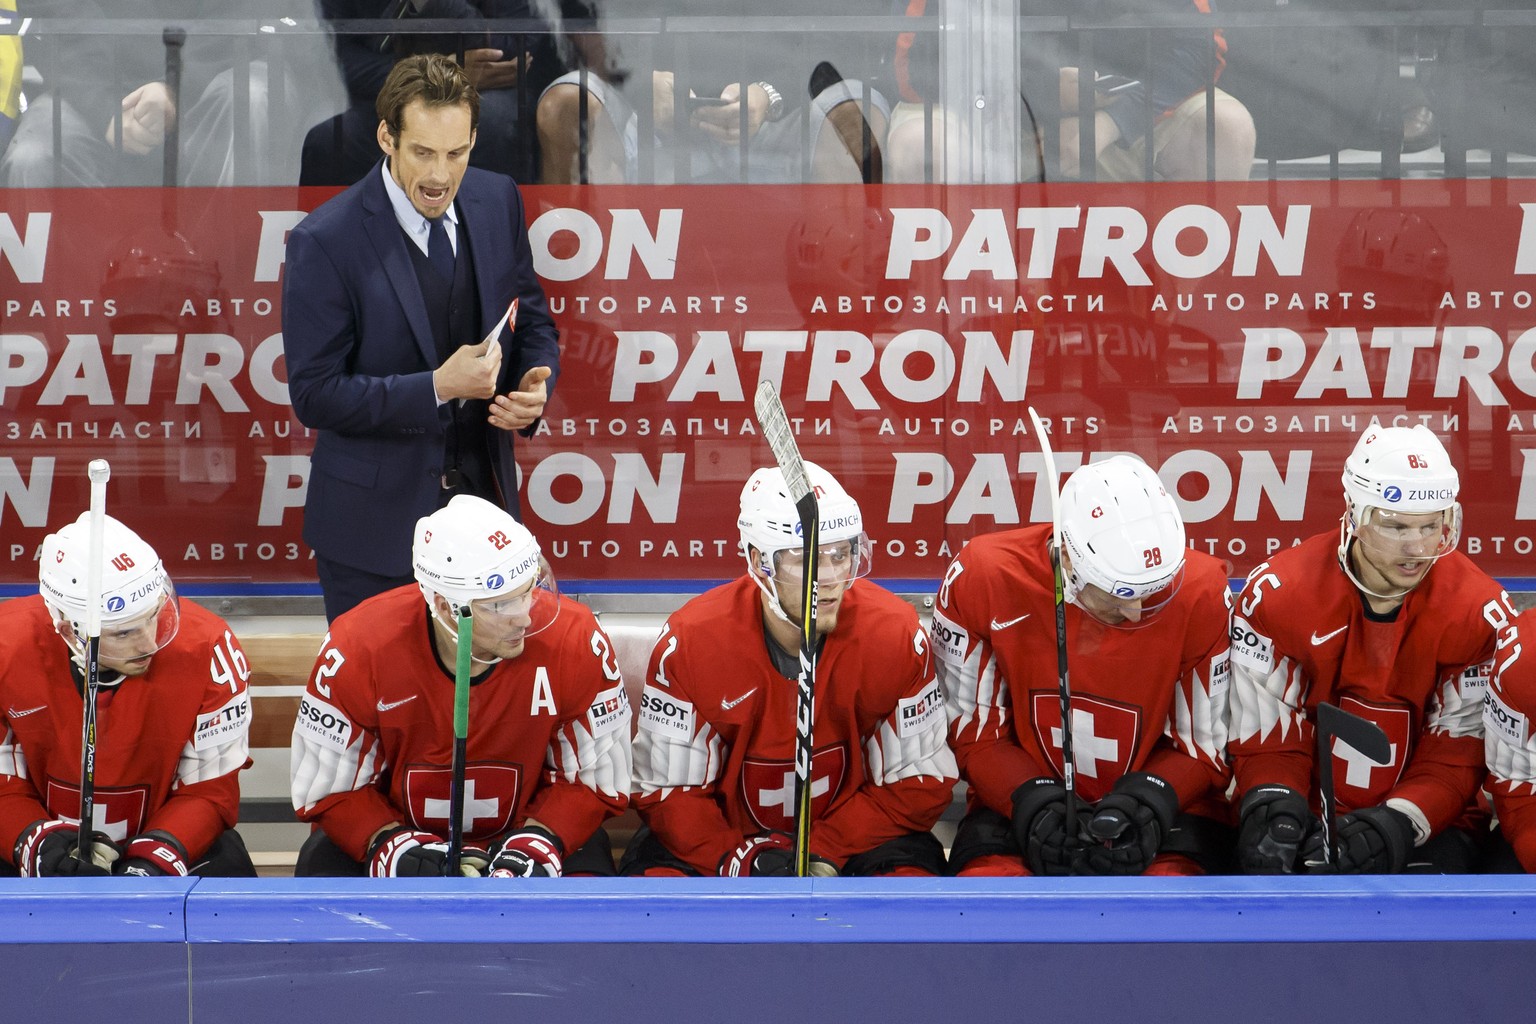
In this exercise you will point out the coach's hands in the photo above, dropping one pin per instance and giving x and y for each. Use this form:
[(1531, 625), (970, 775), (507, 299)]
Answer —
[(521, 408)]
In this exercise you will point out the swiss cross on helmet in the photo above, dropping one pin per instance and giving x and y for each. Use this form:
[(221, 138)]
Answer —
[(1122, 532), (135, 590)]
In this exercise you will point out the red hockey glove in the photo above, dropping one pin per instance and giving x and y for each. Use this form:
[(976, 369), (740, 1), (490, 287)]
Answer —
[(47, 849), (151, 854), (532, 852), (403, 852)]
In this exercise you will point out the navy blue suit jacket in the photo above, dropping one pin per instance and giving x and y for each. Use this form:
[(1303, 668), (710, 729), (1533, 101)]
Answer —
[(360, 358)]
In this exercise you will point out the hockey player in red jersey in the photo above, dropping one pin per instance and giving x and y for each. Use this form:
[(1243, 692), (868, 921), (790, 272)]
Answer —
[(1385, 619), (715, 750), (1147, 659), (173, 717), (548, 757), (1509, 745)]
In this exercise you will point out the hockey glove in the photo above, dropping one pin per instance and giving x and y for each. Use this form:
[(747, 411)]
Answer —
[(1130, 824), (531, 853), (770, 855), (152, 854), (1274, 823), (403, 852), (1372, 841), (1051, 845), (47, 849)]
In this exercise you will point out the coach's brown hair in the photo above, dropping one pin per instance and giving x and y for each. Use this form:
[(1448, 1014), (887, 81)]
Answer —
[(432, 78)]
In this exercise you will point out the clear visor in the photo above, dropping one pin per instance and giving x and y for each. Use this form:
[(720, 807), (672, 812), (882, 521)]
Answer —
[(1411, 535), (841, 561), (515, 616), (1122, 612), (144, 635)]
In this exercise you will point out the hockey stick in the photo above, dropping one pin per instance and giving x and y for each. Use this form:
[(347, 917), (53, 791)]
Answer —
[(1063, 682), (461, 672), (98, 472), (775, 425), (1364, 736)]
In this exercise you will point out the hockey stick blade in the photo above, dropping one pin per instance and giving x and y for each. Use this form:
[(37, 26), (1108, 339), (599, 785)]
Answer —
[(1334, 723), (781, 440)]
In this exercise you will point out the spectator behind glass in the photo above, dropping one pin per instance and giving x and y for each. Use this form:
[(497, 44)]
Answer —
[(688, 87), (508, 71), (107, 90)]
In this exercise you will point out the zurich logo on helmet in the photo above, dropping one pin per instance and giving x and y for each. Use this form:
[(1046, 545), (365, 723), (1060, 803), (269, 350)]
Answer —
[(495, 582), (115, 604), (1124, 591), (1393, 493)]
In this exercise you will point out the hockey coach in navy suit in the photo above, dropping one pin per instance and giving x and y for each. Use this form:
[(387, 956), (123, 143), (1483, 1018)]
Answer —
[(399, 353)]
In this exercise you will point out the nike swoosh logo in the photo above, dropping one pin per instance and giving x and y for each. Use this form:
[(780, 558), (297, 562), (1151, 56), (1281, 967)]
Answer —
[(726, 705), (1318, 640), (29, 711), (1011, 622), (394, 704)]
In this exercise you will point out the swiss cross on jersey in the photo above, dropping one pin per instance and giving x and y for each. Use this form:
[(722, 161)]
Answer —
[(768, 787), (1105, 737), (490, 797), (1359, 781), (120, 811)]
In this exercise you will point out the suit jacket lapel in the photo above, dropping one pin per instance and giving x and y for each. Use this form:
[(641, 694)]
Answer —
[(478, 217), (389, 242)]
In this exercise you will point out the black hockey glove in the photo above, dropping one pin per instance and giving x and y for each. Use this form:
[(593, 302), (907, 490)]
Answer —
[(1051, 845), (403, 852), (47, 849), (1275, 822), (533, 852), (1130, 824), (1372, 841), (152, 854), (770, 855)]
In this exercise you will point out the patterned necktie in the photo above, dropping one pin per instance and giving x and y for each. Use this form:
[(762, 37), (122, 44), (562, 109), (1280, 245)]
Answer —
[(439, 249)]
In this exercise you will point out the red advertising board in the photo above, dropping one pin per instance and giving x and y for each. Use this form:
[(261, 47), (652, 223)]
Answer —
[(1236, 336)]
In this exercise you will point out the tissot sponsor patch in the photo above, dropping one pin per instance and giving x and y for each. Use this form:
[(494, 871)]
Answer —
[(219, 727), (323, 723), (609, 711), (1504, 722), (914, 714), (1221, 673), (1474, 680), (661, 712), (1250, 648), (949, 640)]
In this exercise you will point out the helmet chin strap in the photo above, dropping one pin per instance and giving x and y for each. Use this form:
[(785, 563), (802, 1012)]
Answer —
[(1347, 537), (451, 630)]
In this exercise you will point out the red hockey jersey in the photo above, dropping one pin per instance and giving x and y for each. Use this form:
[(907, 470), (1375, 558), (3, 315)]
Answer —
[(1147, 699), (170, 743), (548, 730), (1509, 740), (715, 750), (1300, 636)]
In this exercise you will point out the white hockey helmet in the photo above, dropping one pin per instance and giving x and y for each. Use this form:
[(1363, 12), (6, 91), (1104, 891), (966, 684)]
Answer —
[(135, 589), (1393, 472), (472, 551), (1399, 469), (770, 525), (1123, 533)]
